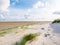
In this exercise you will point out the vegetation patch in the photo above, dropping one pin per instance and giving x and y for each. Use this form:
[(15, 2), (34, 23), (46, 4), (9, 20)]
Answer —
[(3, 32), (56, 21), (27, 38), (24, 27)]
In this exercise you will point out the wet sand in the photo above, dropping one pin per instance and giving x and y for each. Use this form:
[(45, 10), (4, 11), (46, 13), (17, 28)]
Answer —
[(4, 25)]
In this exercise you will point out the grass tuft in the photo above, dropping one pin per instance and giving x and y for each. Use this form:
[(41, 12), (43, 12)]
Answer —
[(27, 38), (3, 32)]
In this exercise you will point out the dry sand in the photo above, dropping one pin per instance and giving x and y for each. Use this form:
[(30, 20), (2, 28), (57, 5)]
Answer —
[(42, 39), (4, 25), (52, 39)]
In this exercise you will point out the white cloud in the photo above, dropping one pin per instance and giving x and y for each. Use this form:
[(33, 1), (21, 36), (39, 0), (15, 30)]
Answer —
[(2, 17), (4, 4), (36, 13), (54, 5), (38, 4), (14, 14), (45, 13)]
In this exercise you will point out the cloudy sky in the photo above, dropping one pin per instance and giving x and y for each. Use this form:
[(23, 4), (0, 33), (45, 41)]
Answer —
[(29, 10)]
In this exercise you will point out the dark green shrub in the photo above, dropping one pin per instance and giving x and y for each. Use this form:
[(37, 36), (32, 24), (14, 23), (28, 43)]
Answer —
[(56, 21)]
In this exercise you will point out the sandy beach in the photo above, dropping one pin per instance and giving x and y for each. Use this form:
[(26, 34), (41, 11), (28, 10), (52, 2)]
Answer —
[(47, 31), (4, 25)]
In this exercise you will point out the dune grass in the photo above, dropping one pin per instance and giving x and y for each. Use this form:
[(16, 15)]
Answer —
[(24, 27), (27, 38), (3, 32)]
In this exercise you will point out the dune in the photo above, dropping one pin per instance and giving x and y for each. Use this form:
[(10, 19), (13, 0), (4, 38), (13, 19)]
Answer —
[(46, 30)]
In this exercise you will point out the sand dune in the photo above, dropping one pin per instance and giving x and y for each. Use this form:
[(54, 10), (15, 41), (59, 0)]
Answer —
[(47, 35)]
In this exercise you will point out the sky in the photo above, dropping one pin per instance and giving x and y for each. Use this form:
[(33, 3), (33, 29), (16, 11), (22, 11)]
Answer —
[(29, 10)]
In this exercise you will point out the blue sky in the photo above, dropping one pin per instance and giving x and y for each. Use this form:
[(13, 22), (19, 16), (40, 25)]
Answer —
[(29, 10), (24, 3)]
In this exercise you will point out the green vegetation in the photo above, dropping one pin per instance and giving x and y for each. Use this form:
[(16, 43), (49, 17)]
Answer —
[(10, 30), (3, 32), (24, 27), (27, 38), (56, 21)]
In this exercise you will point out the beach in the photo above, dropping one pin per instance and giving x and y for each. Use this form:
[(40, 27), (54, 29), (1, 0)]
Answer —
[(47, 34), (4, 25)]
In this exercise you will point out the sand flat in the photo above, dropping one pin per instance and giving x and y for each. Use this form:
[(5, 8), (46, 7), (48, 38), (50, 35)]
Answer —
[(4, 25)]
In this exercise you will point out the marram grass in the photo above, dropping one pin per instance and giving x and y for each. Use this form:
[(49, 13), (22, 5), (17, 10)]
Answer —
[(27, 38), (3, 32)]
